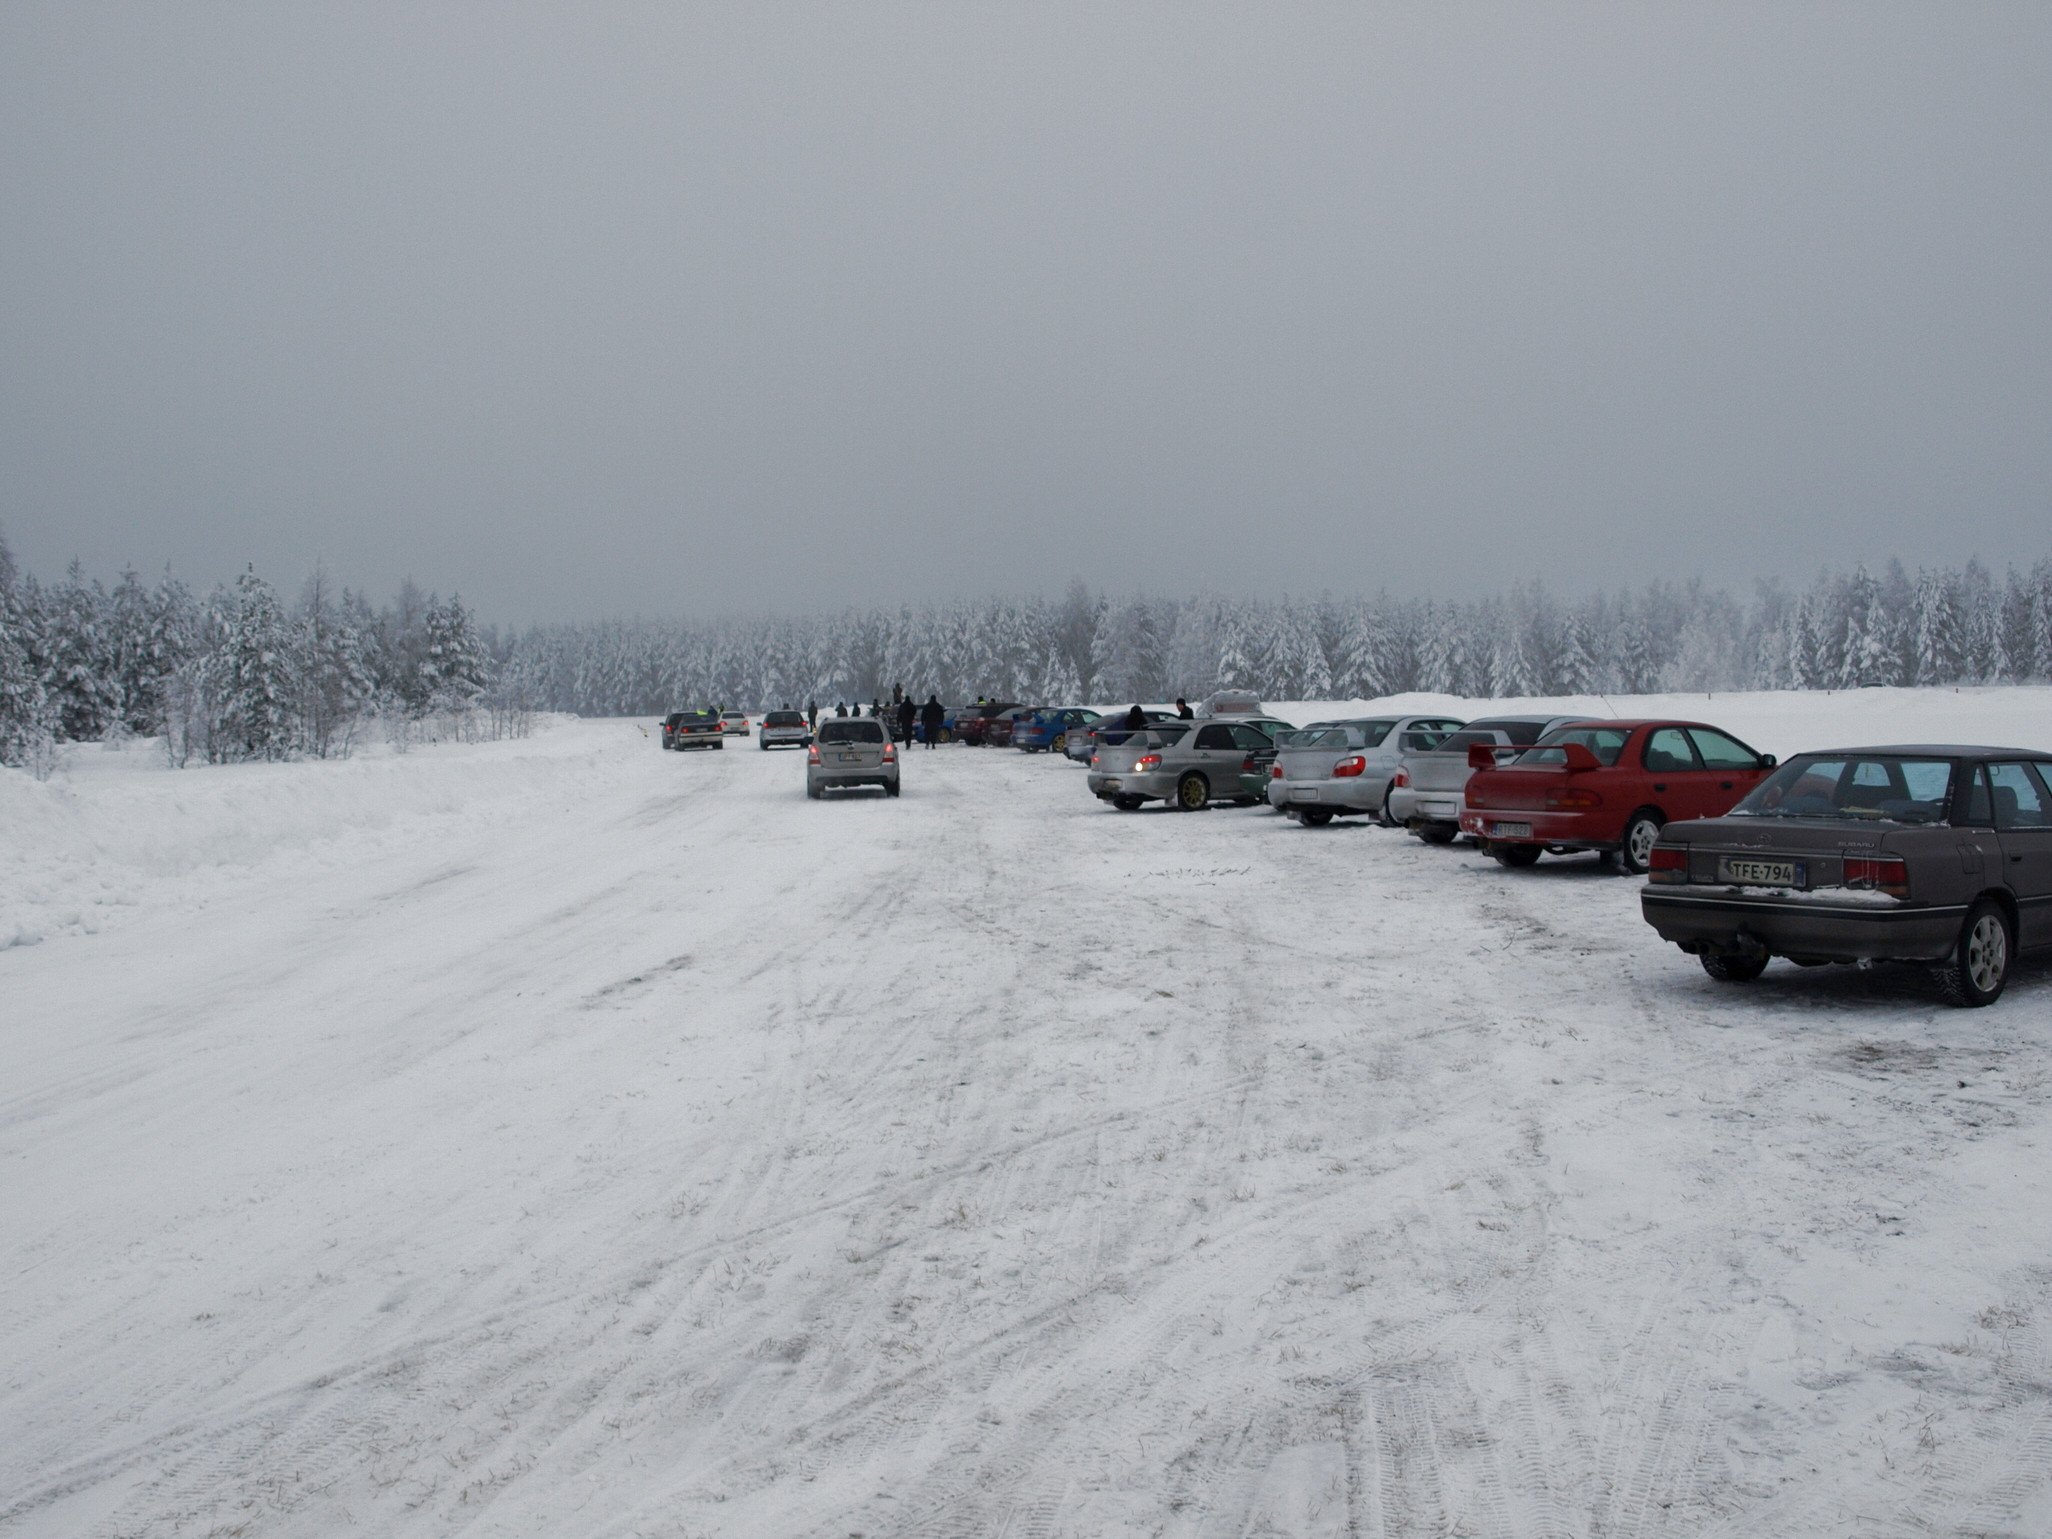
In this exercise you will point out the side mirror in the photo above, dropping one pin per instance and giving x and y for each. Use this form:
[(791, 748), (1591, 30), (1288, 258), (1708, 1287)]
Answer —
[(1768, 761), (1579, 758), (1481, 756)]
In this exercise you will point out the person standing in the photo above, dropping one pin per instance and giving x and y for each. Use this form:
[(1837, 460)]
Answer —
[(1136, 719), (906, 711), (812, 716), (1183, 709), (930, 717)]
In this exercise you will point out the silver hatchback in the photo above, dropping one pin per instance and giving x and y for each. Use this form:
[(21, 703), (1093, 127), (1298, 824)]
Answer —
[(851, 751), (1344, 770)]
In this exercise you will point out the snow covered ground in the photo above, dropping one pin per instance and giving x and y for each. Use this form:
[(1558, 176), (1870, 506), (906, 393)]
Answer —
[(563, 1137)]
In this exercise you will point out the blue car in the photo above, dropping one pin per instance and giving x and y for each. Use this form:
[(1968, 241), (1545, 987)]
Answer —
[(1049, 729)]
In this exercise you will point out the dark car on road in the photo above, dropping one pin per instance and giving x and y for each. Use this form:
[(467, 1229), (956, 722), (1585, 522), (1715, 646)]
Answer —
[(976, 724), (693, 729), (1608, 786), (1934, 854)]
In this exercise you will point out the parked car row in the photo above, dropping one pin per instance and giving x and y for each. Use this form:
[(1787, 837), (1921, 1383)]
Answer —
[(1933, 855)]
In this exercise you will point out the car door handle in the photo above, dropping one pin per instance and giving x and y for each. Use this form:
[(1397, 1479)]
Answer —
[(1724, 785), (1659, 787), (2016, 857)]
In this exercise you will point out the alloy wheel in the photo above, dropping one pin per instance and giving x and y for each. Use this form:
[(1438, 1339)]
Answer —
[(1987, 953)]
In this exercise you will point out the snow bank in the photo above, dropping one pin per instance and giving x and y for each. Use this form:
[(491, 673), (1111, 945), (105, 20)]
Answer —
[(78, 850)]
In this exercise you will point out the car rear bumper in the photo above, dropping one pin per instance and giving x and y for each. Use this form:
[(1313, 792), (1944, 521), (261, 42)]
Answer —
[(1408, 802), (780, 737), (1725, 925), (1568, 830), (837, 782), (1151, 787), (1343, 795)]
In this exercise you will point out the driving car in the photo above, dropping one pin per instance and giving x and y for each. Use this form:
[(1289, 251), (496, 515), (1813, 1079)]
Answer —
[(1344, 769), (1607, 786), (734, 723), (1186, 764), (783, 729), (1048, 729), (692, 729), (1426, 790), (850, 751), (1932, 854)]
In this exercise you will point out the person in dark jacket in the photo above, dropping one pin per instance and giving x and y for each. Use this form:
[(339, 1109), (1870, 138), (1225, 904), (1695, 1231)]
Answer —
[(1183, 709), (931, 715), (812, 716), (1136, 719), (906, 712)]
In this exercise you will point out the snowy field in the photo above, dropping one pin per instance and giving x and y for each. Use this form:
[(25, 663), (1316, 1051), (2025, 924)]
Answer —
[(562, 1137)]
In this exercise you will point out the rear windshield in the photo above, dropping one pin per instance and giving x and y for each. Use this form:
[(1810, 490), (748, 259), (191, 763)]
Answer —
[(783, 719), (1468, 737), (838, 731), (1864, 790), (1320, 737), (1522, 733), (1372, 732), (1158, 736), (1604, 742), (695, 718)]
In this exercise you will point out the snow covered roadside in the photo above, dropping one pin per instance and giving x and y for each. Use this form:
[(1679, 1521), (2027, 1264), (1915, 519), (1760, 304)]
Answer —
[(117, 828), (640, 1148)]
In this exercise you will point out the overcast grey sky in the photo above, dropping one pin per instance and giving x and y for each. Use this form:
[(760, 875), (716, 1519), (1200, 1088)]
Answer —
[(604, 309)]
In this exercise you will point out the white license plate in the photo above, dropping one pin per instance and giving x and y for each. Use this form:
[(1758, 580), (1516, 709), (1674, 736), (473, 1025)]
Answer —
[(1311, 795), (851, 758), (1511, 830), (1760, 873), (1111, 785)]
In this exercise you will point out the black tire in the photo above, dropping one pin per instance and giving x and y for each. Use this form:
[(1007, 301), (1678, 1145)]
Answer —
[(812, 791), (1515, 855), (1127, 803), (1978, 968), (1635, 852), (1382, 816), (891, 789), (1314, 817), (1193, 793), (1733, 969), (722, 743), (1437, 833)]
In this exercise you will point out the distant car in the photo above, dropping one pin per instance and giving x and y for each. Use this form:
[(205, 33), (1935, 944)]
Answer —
[(1934, 854), (1426, 790), (851, 751), (734, 723), (973, 723), (1048, 729), (1187, 764), (998, 729), (692, 729), (1608, 786), (1344, 769), (784, 729)]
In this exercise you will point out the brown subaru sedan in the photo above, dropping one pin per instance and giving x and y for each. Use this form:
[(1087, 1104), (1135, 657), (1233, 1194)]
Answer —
[(1935, 855)]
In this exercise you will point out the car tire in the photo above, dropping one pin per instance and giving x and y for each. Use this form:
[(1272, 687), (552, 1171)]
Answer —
[(1733, 969), (1383, 818), (1061, 743), (1314, 817), (1635, 850), (722, 743), (1978, 968), (1193, 793), (891, 789), (1127, 803), (1516, 855), (1437, 833), (812, 791)]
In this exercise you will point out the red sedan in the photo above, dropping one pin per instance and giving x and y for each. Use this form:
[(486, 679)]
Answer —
[(1607, 786)]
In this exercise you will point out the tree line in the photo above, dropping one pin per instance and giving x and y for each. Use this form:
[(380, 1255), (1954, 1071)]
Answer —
[(239, 673)]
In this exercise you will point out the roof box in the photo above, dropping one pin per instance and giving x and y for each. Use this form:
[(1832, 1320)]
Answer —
[(1230, 702)]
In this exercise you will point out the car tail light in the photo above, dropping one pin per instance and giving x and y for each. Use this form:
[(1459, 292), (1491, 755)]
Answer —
[(1275, 772), (1667, 864), (1573, 798), (1352, 765), (1147, 761), (1093, 761), (812, 753), (890, 753), (1883, 875), (1401, 778)]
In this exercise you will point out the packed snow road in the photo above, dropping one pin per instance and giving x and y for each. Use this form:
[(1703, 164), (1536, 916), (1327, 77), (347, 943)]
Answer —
[(631, 1146)]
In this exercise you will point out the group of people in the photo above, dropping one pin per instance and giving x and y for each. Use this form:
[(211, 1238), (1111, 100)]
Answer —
[(901, 716)]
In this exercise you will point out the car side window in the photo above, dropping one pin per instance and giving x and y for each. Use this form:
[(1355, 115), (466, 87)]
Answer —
[(1721, 752), (1979, 810), (1215, 735), (1668, 750), (2019, 797), (1251, 738)]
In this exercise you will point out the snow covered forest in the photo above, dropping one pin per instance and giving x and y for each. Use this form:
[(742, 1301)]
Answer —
[(242, 674)]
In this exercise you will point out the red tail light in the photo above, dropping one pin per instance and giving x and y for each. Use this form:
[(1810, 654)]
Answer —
[(1148, 761), (890, 753), (812, 753), (1667, 865), (1352, 765), (1401, 778), (1275, 772), (1575, 798), (1884, 875)]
